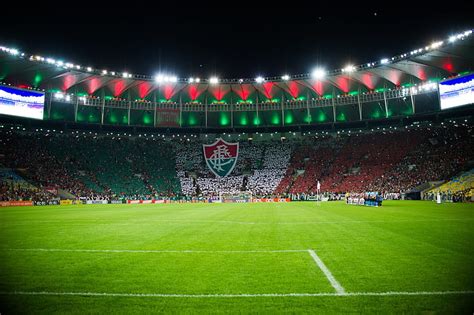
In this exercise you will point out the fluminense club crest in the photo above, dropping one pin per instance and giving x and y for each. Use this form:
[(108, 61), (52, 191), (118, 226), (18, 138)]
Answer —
[(221, 156)]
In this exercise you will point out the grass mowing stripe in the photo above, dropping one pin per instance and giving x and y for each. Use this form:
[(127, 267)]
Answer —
[(244, 295), (404, 267), (335, 284), (150, 250), (88, 221)]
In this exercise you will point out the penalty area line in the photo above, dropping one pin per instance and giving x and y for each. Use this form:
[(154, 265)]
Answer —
[(335, 284), (160, 295)]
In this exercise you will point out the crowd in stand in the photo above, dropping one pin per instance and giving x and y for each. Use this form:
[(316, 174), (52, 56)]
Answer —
[(390, 162), (259, 169), (30, 153), (442, 153), (458, 196), (98, 167), (91, 167), (12, 192)]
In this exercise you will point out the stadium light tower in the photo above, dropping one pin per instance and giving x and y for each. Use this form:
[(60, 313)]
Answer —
[(318, 73)]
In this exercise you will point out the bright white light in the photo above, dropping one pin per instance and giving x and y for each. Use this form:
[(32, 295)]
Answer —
[(165, 78), (191, 80), (68, 98), (286, 77), (50, 60), (241, 80), (198, 80), (318, 73), (125, 75), (13, 51), (159, 78), (112, 73), (59, 95), (60, 63), (436, 45), (89, 69), (349, 68), (384, 61), (78, 67), (452, 39), (214, 80), (104, 72), (69, 65), (259, 79)]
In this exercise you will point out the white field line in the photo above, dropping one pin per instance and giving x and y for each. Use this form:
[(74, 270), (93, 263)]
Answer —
[(243, 295), (150, 251), (335, 284)]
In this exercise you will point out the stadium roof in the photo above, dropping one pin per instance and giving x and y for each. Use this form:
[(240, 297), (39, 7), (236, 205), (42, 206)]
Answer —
[(434, 62)]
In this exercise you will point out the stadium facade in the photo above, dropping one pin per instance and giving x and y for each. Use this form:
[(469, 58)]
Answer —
[(401, 86), (381, 126)]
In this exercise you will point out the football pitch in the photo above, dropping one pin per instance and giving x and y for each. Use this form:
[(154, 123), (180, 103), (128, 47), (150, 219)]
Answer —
[(407, 256)]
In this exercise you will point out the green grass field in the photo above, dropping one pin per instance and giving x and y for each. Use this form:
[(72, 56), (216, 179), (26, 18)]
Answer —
[(411, 257)]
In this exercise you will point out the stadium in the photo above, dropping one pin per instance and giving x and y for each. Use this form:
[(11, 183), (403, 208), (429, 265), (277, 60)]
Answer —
[(332, 191)]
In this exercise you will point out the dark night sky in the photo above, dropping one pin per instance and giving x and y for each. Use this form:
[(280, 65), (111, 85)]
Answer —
[(229, 39)]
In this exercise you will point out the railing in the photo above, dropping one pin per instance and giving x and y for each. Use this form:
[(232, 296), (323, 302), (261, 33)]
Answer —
[(340, 100)]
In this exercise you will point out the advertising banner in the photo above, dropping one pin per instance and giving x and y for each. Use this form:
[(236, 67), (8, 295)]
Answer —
[(46, 203), (15, 203), (271, 200), (96, 202)]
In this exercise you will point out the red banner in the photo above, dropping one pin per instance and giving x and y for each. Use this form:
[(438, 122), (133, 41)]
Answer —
[(52, 190), (15, 203)]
